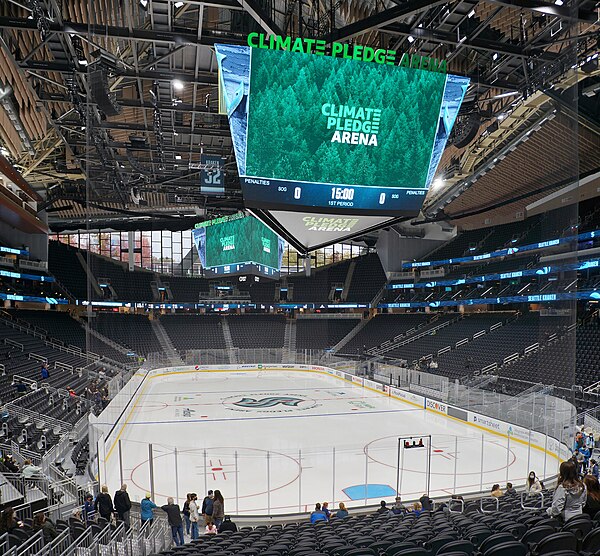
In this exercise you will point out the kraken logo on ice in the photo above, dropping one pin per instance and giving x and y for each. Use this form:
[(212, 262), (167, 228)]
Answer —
[(271, 402), (268, 402)]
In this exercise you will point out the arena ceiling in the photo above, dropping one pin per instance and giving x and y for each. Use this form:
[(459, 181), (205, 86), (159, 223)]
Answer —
[(532, 101)]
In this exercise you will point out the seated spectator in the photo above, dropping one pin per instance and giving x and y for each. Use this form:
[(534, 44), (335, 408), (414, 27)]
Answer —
[(11, 464), (416, 509), (570, 495), (383, 509), (496, 491), (318, 514), (325, 508), (342, 512), (227, 525), (592, 504), (532, 484), (510, 490), (398, 508), (426, 503), (211, 528), (42, 523), (8, 521), (31, 471)]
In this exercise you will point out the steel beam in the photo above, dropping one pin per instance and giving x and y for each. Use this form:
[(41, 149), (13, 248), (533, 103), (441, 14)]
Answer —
[(208, 38), (126, 126), (260, 16), (203, 78), (380, 19), (562, 12), (477, 43)]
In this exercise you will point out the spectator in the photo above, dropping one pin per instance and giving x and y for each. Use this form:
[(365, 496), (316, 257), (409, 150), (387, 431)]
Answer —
[(426, 503), (227, 525), (194, 515), (510, 490), (342, 512), (20, 388), (8, 521), (31, 473), (570, 495), (592, 504), (594, 469), (325, 508), (186, 512), (318, 514), (11, 464), (44, 372), (175, 521), (89, 510), (383, 509), (218, 508), (417, 508), (147, 507), (532, 484), (398, 508), (496, 491), (42, 523), (207, 506), (211, 528), (123, 504), (104, 504)]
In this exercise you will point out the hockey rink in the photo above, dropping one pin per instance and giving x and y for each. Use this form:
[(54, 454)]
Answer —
[(279, 441)]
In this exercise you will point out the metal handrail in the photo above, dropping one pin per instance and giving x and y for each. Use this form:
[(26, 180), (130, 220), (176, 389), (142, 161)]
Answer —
[(488, 499), (527, 496)]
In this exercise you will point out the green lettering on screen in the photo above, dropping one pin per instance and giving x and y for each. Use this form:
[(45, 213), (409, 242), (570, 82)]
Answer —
[(347, 51)]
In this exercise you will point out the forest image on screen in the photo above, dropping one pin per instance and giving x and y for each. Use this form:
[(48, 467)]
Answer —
[(237, 240), (329, 134), (326, 120)]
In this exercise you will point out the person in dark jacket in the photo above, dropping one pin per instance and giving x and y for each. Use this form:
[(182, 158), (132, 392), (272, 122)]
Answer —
[(426, 503), (42, 523), (383, 509), (218, 508), (123, 504), (104, 504), (8, 521), (228, 525), (207, 506), (592, 504), (174, 516)]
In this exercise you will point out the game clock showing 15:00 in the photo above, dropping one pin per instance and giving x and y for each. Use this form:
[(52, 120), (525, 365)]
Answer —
[(316, 132)]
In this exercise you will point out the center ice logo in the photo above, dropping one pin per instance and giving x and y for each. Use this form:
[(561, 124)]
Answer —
[(269, 402)]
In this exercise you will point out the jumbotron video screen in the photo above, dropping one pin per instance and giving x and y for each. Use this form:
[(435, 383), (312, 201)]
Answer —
[(333, 135), (238, 244)]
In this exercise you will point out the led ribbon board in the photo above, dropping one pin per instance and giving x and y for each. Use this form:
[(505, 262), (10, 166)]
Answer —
[(345, 133)]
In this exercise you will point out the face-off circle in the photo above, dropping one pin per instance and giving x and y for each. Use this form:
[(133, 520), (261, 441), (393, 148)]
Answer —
[(269, 402)]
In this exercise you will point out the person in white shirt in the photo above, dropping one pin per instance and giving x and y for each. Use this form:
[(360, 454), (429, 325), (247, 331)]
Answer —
[(532, 484)]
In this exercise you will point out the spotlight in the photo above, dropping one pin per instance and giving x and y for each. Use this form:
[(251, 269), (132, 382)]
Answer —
[(471, 13), (177, 85), (179, 4), (410, 39), (144, 3)]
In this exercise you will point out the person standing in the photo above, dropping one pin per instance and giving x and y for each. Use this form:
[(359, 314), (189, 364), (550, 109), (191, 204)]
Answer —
[(218, 508), (146, 508), (570, 495), (89, 510), (207, 506), (194, 515), (186, 513), (175, 521), (123, 504), (104, 504)]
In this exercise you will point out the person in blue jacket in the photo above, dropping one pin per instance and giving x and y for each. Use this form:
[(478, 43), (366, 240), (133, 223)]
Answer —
[(147, 506), (318, 514)]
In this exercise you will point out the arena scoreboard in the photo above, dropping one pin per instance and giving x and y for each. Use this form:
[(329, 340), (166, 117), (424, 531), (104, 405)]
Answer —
[(352, 132), (238, 244)]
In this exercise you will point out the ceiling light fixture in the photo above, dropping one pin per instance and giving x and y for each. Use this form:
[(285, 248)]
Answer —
[(177, 85)]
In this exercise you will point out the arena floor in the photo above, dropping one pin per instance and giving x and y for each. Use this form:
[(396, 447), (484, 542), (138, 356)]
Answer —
[(266, 439)]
